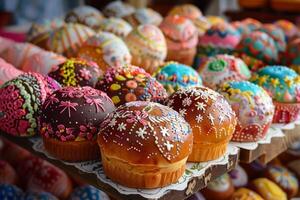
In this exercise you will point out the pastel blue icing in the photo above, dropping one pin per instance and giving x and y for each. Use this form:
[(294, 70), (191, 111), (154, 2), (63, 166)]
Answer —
[(246, 86), (10, 192), (280, 73), (179, 72), (88, 193)]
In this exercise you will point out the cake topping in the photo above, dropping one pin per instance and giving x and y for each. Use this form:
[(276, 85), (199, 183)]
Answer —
[(138, 126), (130, 83), (76, 72), (80, 112)]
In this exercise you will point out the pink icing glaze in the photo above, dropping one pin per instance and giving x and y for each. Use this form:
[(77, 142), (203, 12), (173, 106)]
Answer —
[(18, 53), (42, 62), (216, 41), (5, 43), (180, 32), (7, 71)]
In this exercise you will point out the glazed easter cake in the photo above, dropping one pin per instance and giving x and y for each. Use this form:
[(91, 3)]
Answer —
[(221, 38), (173, 76), (221, 68), (283, 85), (253, 107)]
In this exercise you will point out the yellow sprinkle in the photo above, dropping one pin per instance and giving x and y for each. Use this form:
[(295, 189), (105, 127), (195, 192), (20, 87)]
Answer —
[(128, 75), (120, 78), (275, 82), (115, 99), (288, 82), (115, 86), (262, 79), (297, 80)]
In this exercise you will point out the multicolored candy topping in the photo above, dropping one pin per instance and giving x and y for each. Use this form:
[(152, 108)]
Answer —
[(173, 75), (130, 83), (253, 107), (282, 83), (221, 68), (20, 103), (76, 72)]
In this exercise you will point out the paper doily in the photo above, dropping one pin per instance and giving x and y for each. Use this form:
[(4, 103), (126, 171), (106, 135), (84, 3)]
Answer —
[(95, 167)]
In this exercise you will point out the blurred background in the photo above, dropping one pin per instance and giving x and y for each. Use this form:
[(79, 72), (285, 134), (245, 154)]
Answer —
[(22, 12)]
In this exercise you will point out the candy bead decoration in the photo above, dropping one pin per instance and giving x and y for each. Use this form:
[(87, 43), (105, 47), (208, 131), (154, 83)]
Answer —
[(258, 46), (221, 68), (7, 71), (10, 192), (118, 9), (20, 103), (253, 107), (129, 83), (117, 26), (173, 76), (67, 39), (148, 136), (76, 72), (85, 15), (88, 193), (211, 118), (147, 46), (106, 49), (285, 179)]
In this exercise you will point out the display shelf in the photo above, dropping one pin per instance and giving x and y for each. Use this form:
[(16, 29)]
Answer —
[(268, 151), (92, 173)]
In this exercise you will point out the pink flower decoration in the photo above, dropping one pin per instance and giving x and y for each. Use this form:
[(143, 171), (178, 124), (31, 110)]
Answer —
[(138, 116), (67, 105), (84, 73), (97, 102)]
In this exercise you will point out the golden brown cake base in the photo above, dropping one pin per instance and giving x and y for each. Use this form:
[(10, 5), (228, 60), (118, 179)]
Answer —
[(184, 56), (203, 153), (72, 151), (142, 176)]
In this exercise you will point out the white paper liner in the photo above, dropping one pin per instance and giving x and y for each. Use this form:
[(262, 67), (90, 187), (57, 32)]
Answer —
[(275, 130), (95, 167)]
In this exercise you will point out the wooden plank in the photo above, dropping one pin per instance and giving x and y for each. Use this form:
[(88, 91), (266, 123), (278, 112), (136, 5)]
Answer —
[(266, 152), (194, 184)]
